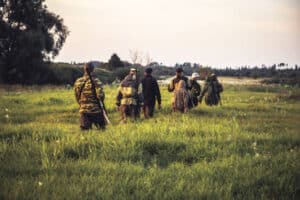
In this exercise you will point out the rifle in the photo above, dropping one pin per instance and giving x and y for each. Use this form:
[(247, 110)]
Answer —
[(99, 102)]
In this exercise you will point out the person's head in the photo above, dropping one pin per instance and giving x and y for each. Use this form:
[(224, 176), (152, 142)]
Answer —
[(132, 72), (148, 71), (213, 77), (179, 72), (195, 76), (88, 68)]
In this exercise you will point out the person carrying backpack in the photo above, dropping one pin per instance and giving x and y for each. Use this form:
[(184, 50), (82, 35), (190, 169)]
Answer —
[(90, 96), (212, 90)]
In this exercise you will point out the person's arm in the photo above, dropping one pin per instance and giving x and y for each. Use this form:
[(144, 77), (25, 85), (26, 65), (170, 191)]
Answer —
[(119, 97), (99, 90), (188, 83), (220, 87), (203, 92), (171, 86), (77, 87), (185, 101), (143, 86), (198, 88), (157, 93)]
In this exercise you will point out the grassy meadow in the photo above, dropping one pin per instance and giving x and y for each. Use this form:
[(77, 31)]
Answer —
[(248, 148)]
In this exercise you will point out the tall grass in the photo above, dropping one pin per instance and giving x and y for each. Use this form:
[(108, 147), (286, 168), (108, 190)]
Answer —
[(246, 149)]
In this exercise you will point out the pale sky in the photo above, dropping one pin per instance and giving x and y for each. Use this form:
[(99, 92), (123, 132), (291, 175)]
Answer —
[(210, 32)]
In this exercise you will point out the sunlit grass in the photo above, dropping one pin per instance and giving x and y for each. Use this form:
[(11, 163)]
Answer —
[(248, 148)]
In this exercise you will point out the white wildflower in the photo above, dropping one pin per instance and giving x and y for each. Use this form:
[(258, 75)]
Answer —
[(256, 155), (254, 145), (57, 141), (6, 109), (229, 137), (7, 116), (40, 183)]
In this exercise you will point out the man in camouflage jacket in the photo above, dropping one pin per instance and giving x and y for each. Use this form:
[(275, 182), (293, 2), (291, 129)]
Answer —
[(89, 109)]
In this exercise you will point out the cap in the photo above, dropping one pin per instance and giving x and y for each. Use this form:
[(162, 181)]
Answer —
[(195, 75), (132, 69), (179, 69), (148, 70), (89, 67)]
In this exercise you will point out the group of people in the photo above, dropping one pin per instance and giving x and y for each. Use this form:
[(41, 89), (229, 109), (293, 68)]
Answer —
[(131, 100)]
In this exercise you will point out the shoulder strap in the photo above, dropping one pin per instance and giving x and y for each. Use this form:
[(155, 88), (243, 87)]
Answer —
[(94, 91)]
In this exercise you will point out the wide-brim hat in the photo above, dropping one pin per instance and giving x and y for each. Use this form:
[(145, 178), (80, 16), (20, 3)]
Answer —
[(195, 75)]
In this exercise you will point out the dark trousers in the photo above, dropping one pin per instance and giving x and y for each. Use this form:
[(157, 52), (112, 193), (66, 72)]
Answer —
[(129, 111), (149, 110), (88, 119), (193, 102)]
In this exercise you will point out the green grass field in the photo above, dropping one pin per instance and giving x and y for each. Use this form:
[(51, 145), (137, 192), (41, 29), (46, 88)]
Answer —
[(246, 149)]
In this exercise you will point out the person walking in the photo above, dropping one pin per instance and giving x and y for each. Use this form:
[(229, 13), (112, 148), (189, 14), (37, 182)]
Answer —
[(151, 93), (90, 96), (181, 98), (128, 98), (212, 91), (195, 90)]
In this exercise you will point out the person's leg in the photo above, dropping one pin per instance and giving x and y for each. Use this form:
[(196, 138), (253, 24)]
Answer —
[(151, 108), (98, 120), (190, 102), (145, 110), (124, 113), (85, 123), (174, 107), (195, 101), (134, 111)]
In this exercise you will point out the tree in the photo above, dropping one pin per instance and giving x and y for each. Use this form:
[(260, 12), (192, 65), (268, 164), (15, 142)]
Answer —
[(148, 59), (30, 36), (115, 62), (136, 57)]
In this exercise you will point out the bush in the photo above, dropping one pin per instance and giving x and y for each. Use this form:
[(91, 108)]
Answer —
[(63, 73)]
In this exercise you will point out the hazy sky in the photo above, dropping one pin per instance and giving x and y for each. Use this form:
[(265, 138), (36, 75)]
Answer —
[(209, 32)]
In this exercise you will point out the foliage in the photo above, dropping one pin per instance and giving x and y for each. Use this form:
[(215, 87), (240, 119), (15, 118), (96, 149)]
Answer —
[(246, 149), (114, 62), (29, 36)]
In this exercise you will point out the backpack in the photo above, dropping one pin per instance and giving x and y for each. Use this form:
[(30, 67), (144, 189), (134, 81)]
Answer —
[(220, 87)]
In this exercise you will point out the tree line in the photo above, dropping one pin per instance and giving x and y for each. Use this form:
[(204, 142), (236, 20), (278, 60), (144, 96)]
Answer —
[(31, 36)]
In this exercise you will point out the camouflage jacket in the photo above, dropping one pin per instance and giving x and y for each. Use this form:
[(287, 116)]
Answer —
[(212, 90), (195, 88), (128, 92), (84, 95)]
